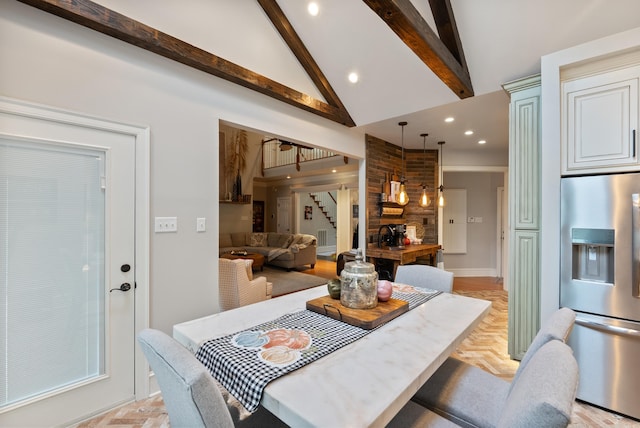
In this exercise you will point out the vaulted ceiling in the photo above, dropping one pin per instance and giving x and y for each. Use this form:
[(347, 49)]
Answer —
[(417, 60)]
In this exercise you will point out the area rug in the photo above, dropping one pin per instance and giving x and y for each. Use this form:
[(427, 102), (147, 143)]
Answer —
[(288, 282)]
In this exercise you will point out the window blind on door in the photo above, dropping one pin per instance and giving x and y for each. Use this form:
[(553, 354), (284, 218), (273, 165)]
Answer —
[(52, 258)]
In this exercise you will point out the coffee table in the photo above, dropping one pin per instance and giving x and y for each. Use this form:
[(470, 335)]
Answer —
[(258, 259)]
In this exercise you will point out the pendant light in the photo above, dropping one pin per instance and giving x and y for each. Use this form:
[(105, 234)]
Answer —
[(441, 197), (424, 198), (403, 198)]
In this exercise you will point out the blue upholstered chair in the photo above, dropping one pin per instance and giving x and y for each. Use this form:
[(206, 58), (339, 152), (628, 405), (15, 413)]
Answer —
[(190, 394), (471, 396), (542, 396), (425, 276)]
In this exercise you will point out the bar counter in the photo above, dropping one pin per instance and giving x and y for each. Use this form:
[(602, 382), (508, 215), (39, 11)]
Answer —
[(405, 256)]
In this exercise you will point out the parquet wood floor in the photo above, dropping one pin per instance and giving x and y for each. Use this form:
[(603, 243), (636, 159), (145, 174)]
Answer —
[(486, 347)]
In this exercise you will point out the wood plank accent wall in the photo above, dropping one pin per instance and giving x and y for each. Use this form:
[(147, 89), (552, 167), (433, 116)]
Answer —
[(383, 157)]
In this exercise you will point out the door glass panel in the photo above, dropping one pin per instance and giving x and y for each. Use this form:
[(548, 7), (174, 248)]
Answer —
[(52, 258)]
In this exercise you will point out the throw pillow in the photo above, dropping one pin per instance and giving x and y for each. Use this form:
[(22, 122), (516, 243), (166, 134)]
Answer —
[(258, 240), (279, 240), (286, 242), (295, 239)]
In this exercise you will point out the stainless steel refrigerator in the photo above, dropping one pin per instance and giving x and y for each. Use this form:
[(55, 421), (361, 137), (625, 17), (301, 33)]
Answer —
[(600, 274)]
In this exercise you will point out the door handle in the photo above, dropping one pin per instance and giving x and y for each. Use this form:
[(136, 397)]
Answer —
[(607, 328), (123, 287)]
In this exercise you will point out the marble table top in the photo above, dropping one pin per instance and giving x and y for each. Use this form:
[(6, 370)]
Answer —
[(365, 383)]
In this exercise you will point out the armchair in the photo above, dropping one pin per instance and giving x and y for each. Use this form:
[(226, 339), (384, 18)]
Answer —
[(237, 287)]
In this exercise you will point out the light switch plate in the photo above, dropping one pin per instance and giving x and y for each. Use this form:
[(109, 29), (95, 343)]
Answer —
[(201, 224), (166, 224)]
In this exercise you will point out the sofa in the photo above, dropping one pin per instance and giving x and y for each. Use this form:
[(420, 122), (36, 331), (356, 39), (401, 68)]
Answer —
[(285, 250)]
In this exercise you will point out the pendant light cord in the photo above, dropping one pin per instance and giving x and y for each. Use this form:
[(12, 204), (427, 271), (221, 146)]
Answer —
[(424, 155), (402, 124)]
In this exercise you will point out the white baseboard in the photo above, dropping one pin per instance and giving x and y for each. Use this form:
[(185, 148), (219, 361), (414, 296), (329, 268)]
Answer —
[(473, 272), (154, 388)]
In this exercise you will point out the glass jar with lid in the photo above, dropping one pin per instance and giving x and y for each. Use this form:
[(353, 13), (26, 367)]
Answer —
[(359, 284)]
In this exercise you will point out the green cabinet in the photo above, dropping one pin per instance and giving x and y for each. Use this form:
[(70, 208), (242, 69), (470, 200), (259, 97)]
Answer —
[(524, 213)]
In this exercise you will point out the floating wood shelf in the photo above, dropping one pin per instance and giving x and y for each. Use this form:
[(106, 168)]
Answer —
[(391, 210)]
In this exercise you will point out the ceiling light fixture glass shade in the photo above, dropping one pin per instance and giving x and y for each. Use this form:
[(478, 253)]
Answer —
[(424, 198), (285, 145), (441, 200), (403, 197)]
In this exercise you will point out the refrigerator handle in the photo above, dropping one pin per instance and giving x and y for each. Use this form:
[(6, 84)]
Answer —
[(635, 242), (607, 328)]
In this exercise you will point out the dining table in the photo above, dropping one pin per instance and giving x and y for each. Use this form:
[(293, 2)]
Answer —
[(364, 383)]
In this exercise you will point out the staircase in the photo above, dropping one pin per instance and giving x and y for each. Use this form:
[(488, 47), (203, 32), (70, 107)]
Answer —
[(326, 202)]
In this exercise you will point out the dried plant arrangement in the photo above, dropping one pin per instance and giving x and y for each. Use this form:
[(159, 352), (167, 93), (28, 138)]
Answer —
[(237, 160)]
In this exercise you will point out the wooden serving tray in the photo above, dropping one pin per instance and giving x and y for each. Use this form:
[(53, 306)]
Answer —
[(363, 318)]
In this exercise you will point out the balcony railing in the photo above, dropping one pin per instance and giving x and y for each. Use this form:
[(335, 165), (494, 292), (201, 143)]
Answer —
[(277, 153)]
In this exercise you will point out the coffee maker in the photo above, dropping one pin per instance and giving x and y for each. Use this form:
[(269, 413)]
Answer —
[(391, 235)]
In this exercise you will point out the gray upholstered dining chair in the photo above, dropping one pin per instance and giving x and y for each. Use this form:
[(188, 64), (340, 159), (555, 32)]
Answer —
[(190, 394), (473, 397), (425, 276), (542, 396)]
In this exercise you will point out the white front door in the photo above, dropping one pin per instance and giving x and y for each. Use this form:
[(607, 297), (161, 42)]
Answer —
[(67, 279)]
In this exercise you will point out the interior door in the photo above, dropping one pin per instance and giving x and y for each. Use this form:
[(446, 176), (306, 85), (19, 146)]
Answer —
[(284, 215), (66, 270)]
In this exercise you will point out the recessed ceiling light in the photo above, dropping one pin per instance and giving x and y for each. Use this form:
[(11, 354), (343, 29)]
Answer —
[(334, 170), (288, 177), (353, 77), (449, 119), (482, 142), (313, 8), (469, 132)]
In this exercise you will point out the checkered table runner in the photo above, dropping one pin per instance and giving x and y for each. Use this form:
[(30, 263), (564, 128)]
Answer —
[(245, 362)]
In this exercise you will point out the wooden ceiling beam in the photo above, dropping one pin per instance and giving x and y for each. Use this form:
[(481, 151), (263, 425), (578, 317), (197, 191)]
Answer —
[(288, 33), (444, 57), (121, 27), (447, 28)]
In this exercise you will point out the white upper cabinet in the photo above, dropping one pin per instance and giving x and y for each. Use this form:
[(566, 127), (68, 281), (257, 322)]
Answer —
[(600, 123)]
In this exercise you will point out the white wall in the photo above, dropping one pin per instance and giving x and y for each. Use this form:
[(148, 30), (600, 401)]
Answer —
[(51, 61), (489, 157), (318, 220)]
